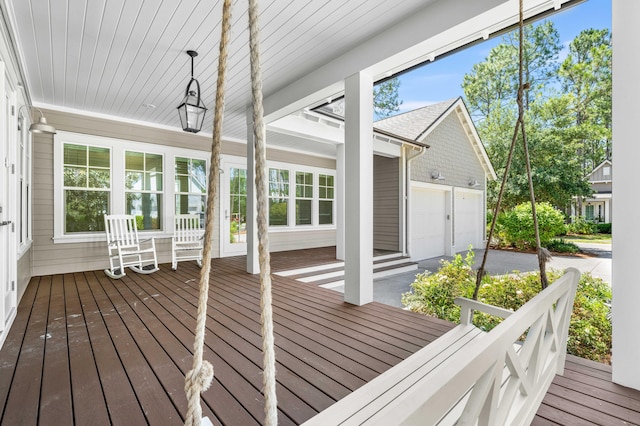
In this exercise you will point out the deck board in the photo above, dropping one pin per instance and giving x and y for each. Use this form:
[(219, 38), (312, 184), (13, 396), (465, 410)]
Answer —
[(118, 350), (55, 406)]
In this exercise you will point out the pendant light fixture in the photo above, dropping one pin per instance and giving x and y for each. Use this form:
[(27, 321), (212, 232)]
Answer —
[(192, 110)]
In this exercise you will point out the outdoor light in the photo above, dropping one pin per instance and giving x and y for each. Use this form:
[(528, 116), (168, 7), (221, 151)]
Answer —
[(474, 183), (192, 110), (41, 126), (436, 175)]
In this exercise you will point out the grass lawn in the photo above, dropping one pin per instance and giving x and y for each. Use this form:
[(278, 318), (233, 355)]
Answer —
[(590, 238)]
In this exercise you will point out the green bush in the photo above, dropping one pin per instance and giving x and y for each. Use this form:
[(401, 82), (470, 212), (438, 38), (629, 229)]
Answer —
[(604, 228), (580, 226), (561, 246), (589, 329), (515, 226), (433, 294)]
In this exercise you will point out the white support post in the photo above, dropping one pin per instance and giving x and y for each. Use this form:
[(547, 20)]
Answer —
[(358, 283), (340, 179), (626, 291), (253, 264)]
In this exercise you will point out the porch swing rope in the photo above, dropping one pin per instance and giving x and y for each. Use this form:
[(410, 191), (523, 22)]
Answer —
[(543, 254), (268, 352), (198, 379)]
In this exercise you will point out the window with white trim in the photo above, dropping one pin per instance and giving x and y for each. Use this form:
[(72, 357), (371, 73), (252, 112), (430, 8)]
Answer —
[(87, 187), (278, 197), (24, 184), (191, 185), (325, 199), (143, 189), (304, 198), (95, 175)]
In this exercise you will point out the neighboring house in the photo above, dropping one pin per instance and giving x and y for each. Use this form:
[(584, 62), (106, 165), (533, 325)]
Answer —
[(598, 207)]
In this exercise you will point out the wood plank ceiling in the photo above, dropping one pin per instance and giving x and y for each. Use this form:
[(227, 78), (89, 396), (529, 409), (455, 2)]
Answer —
[(113, 57)]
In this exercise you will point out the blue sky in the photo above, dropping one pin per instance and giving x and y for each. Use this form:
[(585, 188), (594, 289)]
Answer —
[(442, 79)]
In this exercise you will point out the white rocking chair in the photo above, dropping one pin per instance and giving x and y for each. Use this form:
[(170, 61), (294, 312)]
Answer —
[(187, 241), (124, 247)]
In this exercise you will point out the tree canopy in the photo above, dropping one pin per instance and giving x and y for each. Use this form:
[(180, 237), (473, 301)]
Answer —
[(386, 101), (567, 111)]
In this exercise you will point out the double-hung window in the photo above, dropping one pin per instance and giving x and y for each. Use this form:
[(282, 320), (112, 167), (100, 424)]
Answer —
[(191, 185), (95, 175), (278, 197), (143, 188), (86, 187), (325, 199), (304, 198), (24, 185)]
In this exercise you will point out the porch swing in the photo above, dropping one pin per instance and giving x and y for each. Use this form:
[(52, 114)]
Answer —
[(466, 376)]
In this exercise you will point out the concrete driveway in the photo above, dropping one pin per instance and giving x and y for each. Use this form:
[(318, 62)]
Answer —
[(389, 290)]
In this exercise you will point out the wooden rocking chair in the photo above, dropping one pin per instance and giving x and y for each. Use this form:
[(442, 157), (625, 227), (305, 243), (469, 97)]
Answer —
[(124, 247), (187, 241)]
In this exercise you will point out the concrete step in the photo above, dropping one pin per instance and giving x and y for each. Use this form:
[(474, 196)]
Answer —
[(380, 270)]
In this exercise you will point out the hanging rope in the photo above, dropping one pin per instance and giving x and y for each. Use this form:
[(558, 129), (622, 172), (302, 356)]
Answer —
[(543, 254), (199, 378), (268, 353)]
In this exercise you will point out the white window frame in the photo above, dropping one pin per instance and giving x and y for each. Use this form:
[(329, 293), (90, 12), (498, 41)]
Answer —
[(291, 219), (189, 193), (117, 201), (25, 186)]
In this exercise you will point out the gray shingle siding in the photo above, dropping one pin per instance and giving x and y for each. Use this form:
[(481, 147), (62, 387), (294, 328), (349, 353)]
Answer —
[(457, 165)]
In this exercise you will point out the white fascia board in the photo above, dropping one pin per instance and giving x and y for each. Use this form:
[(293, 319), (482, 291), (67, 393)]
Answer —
[(386, 148), (478, 146), (439, 27), (319, 131)]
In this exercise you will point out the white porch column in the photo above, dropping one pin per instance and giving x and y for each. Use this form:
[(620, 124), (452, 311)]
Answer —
[(358, 277), (253, 264), (626, 288), (340, 179)]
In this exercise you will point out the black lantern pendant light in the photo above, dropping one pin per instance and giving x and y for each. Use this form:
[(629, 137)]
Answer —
[(192, 110)]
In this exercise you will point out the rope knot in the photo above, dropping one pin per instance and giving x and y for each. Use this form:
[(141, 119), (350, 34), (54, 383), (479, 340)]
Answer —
[(199, 377)]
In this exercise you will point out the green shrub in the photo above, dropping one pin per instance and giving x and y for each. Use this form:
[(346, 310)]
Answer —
[(580, 226), (433, 294), (589, 329), (561, 246), (604, 228), (140, 222), (515, 226), (590, 326)]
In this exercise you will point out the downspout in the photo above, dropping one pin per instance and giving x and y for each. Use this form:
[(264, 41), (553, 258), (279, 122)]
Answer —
[(407, 198)]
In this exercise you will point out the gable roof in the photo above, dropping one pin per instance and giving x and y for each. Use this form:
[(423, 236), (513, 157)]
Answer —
[(414, 124), (597, 169), (417, 125)]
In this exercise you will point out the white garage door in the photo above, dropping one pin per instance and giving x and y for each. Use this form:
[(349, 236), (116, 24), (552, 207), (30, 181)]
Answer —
[(428, 219), (468, 219)]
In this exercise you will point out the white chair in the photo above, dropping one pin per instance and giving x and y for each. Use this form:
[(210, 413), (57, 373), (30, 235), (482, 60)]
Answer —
[(125, 249), (187, 241)]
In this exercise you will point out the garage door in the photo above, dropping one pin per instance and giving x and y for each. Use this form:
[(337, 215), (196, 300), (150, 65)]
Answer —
[(428, 218), (468, 219)]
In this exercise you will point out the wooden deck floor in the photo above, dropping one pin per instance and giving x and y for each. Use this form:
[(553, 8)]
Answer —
[(85, 349)]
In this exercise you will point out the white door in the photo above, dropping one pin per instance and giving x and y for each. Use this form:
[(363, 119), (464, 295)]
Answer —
[(8, 290), (428, 223), (234, 209), (468, 220)]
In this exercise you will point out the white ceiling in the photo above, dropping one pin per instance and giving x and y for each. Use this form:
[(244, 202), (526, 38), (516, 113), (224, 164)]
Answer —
[(110, 57)]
